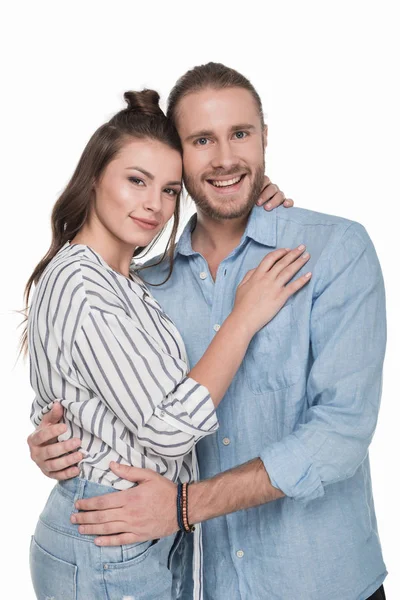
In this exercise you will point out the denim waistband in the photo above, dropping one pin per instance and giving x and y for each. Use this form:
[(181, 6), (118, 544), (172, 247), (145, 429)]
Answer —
[(78, 488)]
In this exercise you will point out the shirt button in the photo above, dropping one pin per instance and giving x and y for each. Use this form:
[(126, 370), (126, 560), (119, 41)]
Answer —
[(226, 441), (105, 566), (162, 414), (240, 553), (203, 275), (217, 327)]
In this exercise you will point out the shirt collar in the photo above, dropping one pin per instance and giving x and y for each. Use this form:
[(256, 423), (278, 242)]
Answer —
[(261, 227)]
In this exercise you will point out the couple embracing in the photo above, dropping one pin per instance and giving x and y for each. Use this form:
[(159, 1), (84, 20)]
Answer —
[(216, 404)]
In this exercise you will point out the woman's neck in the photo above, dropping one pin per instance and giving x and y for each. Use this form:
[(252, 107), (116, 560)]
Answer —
[(114, 252)]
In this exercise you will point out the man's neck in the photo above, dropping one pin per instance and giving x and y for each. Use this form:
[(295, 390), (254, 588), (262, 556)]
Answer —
[(216, 239), (216, 235)]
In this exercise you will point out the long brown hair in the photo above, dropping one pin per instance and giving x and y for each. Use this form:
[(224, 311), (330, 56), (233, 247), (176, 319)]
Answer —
[(141, 119), (212, 75)]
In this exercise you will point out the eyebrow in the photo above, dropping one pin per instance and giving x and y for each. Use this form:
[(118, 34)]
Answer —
[(151, 176), (208, 132)]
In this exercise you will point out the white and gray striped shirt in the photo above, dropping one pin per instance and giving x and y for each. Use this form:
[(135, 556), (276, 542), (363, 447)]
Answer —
[(103, 345)]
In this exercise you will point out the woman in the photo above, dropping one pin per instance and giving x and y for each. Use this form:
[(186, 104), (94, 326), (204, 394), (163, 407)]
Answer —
[(98, 340)]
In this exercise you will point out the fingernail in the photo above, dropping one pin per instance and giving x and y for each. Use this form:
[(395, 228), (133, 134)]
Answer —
[(73, 519), (308, 275), (268, 206), (301, 247), (81, 529), (306, 255), (98, 542)]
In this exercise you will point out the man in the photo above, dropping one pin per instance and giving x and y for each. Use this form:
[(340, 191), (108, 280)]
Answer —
[(301, 412)]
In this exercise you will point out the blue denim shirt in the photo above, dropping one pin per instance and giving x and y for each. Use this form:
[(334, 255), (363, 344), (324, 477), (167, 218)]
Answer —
[(305, 400)]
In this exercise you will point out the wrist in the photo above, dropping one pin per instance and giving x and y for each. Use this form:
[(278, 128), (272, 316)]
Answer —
[(240, 325)]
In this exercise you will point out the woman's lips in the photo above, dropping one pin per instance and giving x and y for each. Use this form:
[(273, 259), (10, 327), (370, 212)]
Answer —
[(145, 224)]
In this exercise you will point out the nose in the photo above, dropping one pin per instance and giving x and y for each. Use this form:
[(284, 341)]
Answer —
[(224, 156), (152, 202)]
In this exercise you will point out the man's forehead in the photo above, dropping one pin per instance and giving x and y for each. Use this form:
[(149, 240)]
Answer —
[(212, 108)]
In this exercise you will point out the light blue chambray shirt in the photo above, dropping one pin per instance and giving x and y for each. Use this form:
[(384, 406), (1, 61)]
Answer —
[(305, 400)]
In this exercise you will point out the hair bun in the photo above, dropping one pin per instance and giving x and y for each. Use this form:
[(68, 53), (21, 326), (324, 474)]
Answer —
[(145, 102)]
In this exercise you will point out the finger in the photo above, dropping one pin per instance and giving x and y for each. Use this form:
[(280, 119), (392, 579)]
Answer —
[(119, 540), (54, 415), (96, 516), (133, 474), (288, 203), (63, 462), (103, 528), (290, 271), (268, 261), (287, 260), (60, 448), (297, 284), (269, 192), (63, 475), (247, 277), (44, 435), (116, 500)]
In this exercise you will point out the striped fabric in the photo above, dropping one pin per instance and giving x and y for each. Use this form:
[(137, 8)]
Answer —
[(102, 344)]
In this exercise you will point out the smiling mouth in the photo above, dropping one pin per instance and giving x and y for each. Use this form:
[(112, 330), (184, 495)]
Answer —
[(145, 223), (227, 184)]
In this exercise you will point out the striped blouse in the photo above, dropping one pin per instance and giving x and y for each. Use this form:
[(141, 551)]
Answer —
[(103, 345)]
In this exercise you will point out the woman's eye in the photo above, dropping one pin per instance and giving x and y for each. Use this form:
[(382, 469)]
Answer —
[(201, 141), (171, 192), (136, 180), (240, 135)]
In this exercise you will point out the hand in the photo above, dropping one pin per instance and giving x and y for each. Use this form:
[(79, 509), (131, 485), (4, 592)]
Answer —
[(265, 290), (51, 456), (272, 197), (144, 512)]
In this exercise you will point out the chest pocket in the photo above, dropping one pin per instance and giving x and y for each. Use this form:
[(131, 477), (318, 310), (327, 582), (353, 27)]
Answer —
[(270, 362)]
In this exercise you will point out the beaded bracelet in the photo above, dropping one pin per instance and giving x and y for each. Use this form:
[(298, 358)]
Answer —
[(179, 507), (182, 509)]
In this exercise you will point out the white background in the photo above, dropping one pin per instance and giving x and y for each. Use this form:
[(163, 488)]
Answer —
[(327, 73)]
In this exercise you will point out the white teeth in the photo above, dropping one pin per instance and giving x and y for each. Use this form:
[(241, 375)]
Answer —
[(226, 183)]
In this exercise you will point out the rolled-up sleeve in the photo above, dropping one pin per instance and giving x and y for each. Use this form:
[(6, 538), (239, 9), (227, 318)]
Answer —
[(142, 384), (348, 339)]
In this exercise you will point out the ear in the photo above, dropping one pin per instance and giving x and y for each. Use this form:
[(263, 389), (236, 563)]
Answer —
[(265, 136)]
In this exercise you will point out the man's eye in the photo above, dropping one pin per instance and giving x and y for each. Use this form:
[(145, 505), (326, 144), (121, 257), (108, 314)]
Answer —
[(136, 180), (240, 135), (201, 141)]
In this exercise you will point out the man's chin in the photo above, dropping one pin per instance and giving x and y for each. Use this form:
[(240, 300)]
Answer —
[(229, 207)]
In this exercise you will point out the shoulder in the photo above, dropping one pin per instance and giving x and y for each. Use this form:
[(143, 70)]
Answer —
[(63, 270), (304, 218), (75, 279), (332, 228)]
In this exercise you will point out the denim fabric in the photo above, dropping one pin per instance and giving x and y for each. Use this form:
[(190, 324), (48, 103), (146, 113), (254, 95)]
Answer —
[(66, 565), (305, 401)]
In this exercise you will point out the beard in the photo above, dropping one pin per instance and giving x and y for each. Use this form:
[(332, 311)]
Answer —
[(227, 207)]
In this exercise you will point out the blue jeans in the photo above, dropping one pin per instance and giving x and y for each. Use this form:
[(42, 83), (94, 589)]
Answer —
[(68, 566)]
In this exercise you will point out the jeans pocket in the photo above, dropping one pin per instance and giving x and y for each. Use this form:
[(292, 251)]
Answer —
[(136, 551), (145, 576), (51, 576)]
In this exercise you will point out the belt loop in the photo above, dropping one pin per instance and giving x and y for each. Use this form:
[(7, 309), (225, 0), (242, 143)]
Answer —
[(80, 488)]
